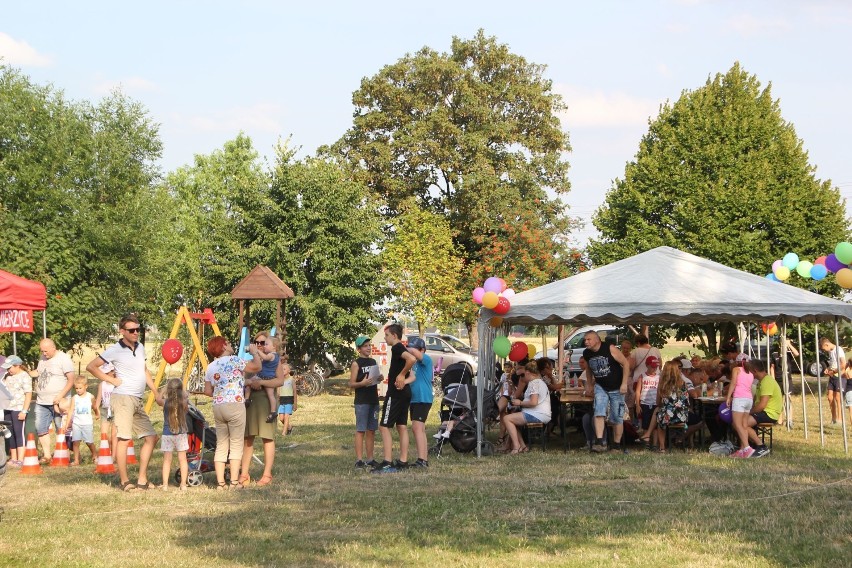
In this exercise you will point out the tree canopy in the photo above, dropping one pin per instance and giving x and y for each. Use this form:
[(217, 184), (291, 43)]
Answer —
[(474, 136)]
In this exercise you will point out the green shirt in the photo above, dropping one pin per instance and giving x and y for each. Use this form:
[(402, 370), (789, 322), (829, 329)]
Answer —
[(769, 387)]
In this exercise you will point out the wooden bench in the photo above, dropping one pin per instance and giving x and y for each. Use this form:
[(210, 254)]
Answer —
[(762, 430), (536, 430)]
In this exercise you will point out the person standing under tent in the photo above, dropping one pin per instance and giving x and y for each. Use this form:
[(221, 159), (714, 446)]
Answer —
[(639, 366), (836, 364), (131, 376), (607, 377)]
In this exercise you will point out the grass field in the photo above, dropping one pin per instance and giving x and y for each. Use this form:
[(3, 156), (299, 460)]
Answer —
[(557, 508)]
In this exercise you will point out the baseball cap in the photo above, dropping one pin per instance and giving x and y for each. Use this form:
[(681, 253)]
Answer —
[(362, 339), (417, 343), (685, 363), (652, 361), (11, 360), (742, 357)]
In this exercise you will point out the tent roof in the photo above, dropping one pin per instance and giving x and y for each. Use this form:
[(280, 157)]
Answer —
[(18, 293), (665, 286), (261, 284)]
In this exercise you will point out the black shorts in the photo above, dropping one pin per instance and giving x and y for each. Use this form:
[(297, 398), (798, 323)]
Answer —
[(420, 411), (762, 418), (833, 384), (282, 400), (395, 411)]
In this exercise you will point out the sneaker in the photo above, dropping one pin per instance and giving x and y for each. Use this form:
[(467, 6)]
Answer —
[(422, 464), (384, 467), (599, 448), (360, 464), (736, 454), (372, 464), (747, 452), (400, 465), (439, 435), (760, 452)]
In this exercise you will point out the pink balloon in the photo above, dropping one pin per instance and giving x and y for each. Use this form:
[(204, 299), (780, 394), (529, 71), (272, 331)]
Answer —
[(775, 265), (502, 284), (492, 284), (478, 292), (820, 260), (508, 293)]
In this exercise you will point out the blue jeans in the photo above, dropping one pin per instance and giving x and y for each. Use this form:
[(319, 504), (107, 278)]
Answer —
[(612, 399)]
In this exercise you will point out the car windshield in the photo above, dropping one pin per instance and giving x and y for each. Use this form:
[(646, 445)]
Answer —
[(456, 343)]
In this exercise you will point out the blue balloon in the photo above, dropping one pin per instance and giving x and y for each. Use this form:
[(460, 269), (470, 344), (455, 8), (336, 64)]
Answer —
[(790, 260), (818, 272), (771, 277)]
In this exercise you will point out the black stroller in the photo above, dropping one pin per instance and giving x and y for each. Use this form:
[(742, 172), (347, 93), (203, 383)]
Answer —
[(458, 412), (201, 438)]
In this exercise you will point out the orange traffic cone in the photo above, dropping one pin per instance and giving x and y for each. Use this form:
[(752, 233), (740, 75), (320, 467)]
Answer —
[(105, 464), (31, 465), (61, 455), (131, 453)]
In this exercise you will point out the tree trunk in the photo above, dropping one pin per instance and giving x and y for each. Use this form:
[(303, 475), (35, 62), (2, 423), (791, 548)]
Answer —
[(472, 335), (710, 334)]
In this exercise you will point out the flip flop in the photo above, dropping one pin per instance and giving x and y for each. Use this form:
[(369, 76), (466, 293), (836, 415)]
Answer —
[(143, 486), (127, 486)]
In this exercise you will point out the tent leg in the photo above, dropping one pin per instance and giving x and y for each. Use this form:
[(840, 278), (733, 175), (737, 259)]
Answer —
[(44, 323), (14, 343), (819, 387), (804, 392)]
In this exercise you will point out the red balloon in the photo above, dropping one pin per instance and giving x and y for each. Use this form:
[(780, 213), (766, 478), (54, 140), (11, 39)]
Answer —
[(518, 352), (502, 306), (172, 350)]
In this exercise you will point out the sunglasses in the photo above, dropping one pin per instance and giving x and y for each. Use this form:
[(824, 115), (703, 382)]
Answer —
[(134, 330), (260, 343)]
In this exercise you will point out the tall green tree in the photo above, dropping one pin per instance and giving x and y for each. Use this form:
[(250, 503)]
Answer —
[(317, 229), (474, 135), (722, 175), (76, 204), (422, 267)]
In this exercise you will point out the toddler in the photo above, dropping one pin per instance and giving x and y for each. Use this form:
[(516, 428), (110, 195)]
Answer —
[(267, 348), (82, 421), (175, 404), (288, 402)]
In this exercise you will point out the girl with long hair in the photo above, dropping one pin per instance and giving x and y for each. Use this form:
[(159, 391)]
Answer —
[(175, 403)]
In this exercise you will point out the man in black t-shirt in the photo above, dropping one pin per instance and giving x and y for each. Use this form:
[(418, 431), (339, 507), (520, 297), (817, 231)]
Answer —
[(607, 376), (397, 401), (363, 378)]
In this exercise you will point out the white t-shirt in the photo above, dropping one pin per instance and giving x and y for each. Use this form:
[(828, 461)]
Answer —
[(52, 377), (649, 389), (83, 409), (542, 409), (129, 366)]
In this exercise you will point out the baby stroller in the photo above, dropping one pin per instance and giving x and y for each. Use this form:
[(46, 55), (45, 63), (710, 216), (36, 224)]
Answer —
[(458, 419), (201, 438)]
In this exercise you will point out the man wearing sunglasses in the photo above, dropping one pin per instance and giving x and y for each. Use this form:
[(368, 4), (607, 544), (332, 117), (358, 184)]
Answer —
[(131, 375)]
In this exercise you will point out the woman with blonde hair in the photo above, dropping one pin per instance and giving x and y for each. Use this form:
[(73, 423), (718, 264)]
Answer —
[(672, 401)]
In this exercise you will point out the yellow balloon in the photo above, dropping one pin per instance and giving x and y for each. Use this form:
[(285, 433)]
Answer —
[(496, 322), (782, 273), (531, 350), (844, 278), (490, 299)]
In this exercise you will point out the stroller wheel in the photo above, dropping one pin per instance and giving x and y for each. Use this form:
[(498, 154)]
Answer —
[(194, 478), (177, 476), (487, 448)]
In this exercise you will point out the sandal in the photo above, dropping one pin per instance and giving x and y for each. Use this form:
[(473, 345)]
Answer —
[(221, 486), (127, 486), (271, 417), (236, 485), (244, 480), (265, 480), (524, 450), (44, 461), (143, 486)]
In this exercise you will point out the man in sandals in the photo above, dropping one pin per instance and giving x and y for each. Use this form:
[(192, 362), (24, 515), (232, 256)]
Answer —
[(128, 358)]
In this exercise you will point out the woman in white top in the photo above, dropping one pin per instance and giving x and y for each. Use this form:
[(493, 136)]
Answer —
[(535, 408)]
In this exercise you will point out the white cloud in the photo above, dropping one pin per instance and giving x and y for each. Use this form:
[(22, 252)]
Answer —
[(749, 26), (259, 117), (16, 52), (597, 108), (128, 85)]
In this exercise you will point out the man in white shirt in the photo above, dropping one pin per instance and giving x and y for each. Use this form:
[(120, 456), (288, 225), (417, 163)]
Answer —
[(55, 373)]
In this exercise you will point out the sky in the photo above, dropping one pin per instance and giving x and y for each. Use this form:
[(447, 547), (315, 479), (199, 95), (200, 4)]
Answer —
[(277, 70)]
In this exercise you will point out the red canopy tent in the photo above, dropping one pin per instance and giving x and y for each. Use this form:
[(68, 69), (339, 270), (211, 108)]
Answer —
[(19, 297)]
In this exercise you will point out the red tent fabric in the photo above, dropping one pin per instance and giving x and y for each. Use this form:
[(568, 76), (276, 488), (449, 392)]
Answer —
[(18, 293)]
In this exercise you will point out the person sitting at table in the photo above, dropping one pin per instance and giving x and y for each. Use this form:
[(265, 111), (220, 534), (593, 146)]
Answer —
[(672, 401), (545, 368), (535, 408), (767, 407), (506, 389)]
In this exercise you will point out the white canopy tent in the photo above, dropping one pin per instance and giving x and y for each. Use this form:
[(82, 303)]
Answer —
[(660, 286)]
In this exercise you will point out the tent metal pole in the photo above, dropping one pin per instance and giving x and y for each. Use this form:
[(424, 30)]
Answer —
[(14, 343), (785, 382), (802, 376), (840, 382), (44, 323), (819, 386)]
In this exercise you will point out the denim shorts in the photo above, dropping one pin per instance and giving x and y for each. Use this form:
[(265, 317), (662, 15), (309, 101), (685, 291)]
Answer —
[(612, 399), (366, 417), (44, 414), (82, 433), (530, 419)]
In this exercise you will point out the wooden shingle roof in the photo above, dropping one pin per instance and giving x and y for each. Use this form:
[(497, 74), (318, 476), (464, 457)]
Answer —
[(261, 284)]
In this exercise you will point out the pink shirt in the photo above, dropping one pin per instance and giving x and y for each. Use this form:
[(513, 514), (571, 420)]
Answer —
[(744, 381)]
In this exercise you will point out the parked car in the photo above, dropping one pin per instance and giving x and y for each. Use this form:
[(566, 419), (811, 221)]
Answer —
[(447, 349), (574, 346)]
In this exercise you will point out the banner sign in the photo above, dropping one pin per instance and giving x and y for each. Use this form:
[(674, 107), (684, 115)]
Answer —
[(16, 320)]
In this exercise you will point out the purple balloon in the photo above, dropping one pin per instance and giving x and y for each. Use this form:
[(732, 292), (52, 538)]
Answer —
[(493, 284), (478, 292), (725, 413), (833, 264)]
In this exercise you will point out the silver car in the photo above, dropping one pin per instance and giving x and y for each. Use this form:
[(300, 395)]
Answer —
[(447, 349)]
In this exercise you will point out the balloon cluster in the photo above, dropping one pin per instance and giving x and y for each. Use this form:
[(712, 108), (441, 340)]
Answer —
[(769, 328), (494, 295), (838, 263), (517, 351)]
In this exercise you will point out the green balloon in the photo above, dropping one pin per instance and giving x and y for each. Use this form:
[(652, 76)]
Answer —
[(843, 252), (502, 346), (804, 268)]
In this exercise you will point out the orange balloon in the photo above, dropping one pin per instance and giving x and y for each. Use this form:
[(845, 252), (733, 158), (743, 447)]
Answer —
[(489, 300), (496, 322), (844, 278)]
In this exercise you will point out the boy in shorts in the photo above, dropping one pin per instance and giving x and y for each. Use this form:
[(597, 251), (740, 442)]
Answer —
[(397, 402), (82, 422), (366, 402), (421, 398)]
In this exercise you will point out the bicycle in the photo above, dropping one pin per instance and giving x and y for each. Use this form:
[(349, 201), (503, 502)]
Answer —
[(307, 382)]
